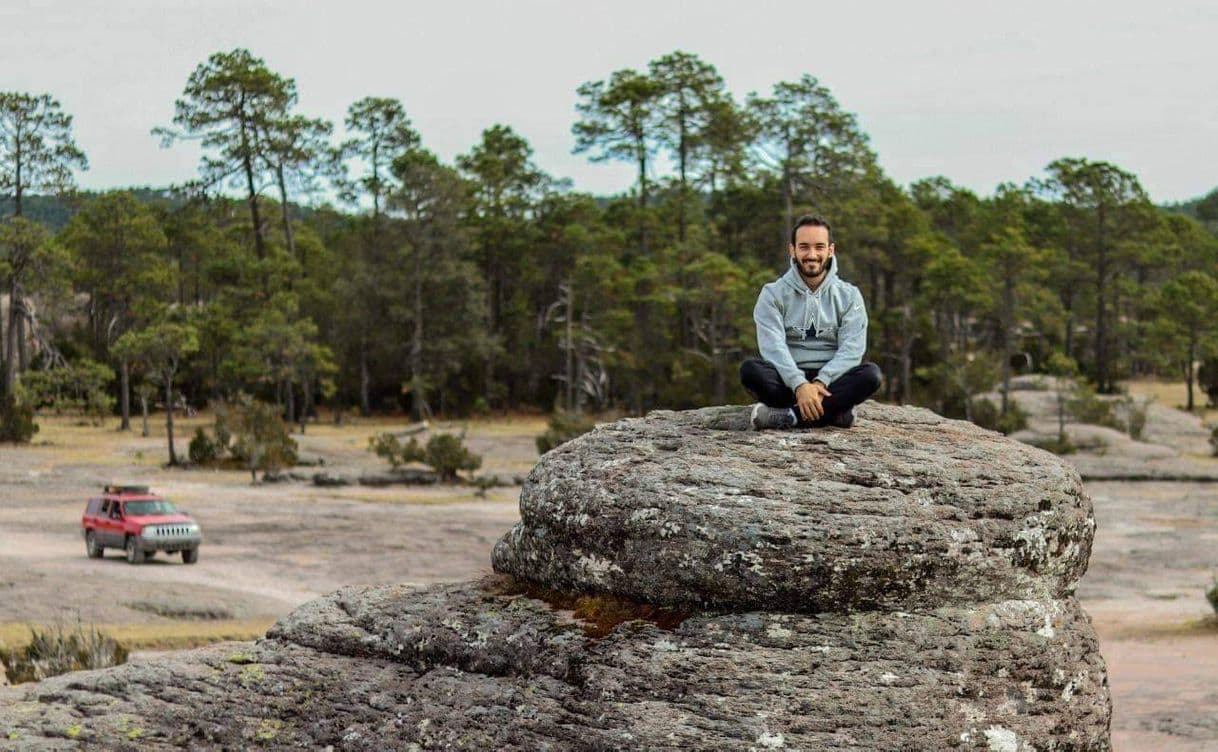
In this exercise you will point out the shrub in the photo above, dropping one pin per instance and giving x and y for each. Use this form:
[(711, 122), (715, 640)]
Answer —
[(16, 420), (57, 650), (445, 454), (260, 438), (80, 388), (987, 415), (1137, 418), (1085, 406), (1056, 445), (1211, 595), (203, 451), (562, 428)]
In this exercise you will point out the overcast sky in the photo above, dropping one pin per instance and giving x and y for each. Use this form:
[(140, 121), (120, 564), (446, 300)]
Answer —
[(982, 92)]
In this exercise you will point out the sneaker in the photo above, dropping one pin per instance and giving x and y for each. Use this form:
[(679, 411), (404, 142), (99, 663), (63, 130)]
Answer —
[(764, 417), (842, 420)]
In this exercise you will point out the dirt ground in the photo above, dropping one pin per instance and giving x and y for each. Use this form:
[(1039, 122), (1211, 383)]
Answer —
[(268, 548)]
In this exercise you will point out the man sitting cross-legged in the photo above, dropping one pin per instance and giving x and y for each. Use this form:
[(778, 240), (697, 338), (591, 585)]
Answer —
[(812, 332)]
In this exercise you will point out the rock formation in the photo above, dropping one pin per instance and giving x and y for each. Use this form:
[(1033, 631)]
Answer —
[(676, 582)]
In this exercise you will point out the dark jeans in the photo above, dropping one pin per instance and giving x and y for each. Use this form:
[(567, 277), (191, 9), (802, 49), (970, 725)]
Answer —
[(851, 388)]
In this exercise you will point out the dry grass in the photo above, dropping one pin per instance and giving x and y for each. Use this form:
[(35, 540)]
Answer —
[(1172, 394), (164, 636)]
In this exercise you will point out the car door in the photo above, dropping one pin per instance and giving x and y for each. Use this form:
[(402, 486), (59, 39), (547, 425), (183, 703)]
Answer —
[(111, 525)]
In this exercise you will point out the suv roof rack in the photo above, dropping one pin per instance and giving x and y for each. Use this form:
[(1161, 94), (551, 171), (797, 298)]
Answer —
[(124, 488)]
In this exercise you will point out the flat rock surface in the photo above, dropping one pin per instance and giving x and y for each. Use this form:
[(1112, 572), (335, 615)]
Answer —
[(464, 667), (904, 511)]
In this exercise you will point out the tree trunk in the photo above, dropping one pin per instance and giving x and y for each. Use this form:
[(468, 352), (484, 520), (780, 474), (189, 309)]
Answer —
[(22, 352), (418, 405), (289, 401), (640, 151), (10, 344), (144, 410), (1008, 324), (1189, 368), (365, 379), (173, 457), (683, 157), (124, 395), (288, 237), (1103, 381), (306, 401), (570, 342)]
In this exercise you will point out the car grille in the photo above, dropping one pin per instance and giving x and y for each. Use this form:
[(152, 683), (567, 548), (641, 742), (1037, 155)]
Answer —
[(169, 531)]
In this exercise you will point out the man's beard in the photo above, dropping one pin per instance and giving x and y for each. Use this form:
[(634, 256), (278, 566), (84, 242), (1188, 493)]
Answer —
[(806, 269)]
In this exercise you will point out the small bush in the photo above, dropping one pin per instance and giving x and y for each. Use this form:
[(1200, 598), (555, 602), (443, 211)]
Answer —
[(58, 649), (1137, 418), (1085, 406), (16, 421), (562, 428), (445, 454), (986, 414), (1055, 445), (203, 451), (260, 438), (1211, 595)]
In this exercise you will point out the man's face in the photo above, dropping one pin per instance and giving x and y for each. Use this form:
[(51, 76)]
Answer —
[(812, 251)]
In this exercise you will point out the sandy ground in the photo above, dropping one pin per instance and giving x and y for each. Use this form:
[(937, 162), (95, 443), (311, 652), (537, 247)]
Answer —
[(268, 548)]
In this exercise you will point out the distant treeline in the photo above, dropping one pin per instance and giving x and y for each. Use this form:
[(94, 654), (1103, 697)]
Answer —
[(487, 284)]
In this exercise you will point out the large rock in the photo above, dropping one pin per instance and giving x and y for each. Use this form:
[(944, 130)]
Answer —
[(740, 591), (910, 511)]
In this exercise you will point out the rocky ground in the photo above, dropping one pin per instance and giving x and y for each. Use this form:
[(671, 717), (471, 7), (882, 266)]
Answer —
[(1152, 556)]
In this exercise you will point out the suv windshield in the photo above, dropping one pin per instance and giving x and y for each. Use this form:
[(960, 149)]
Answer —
[(153, 506)]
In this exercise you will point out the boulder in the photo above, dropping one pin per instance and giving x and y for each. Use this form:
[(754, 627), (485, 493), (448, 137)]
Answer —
[(678, 584), (909, 512)]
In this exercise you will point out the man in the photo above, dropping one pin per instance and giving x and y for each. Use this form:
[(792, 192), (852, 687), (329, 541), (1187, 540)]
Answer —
[(812, 332)]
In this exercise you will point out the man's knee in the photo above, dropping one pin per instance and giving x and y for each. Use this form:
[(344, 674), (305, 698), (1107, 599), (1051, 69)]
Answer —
[(872, 377), (753, 372)]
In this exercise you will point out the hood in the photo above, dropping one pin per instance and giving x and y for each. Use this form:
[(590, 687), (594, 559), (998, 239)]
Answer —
[(793, 279), (161, 519)]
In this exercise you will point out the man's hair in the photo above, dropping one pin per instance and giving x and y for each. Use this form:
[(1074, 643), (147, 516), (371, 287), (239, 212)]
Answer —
[(811, 220)]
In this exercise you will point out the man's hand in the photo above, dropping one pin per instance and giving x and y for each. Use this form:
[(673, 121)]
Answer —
[(809, 399)]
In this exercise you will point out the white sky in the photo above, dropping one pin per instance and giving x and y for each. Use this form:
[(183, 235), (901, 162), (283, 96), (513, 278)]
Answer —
[(981, 91)]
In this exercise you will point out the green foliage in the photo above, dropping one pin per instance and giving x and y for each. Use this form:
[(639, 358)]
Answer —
[(1085, 406), (203, 449), (987, 415), (445, 453), (260, 437), (1056, 445), (562, 428), (17, 424), (58, 649), (485, 284), (79, 388), (1211, 595), (387, 447)]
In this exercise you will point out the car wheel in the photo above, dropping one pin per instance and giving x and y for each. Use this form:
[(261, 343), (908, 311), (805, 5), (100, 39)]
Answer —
[(95, 551), (190, 555), (134, 554)]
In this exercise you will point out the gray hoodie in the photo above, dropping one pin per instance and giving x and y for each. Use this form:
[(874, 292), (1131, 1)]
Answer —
[(800, 329)]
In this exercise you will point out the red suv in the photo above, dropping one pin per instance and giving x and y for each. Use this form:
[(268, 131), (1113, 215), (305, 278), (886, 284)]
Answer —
[(140, 523)]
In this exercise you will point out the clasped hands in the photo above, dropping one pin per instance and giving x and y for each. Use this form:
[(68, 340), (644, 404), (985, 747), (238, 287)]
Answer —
[(809, 400)]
